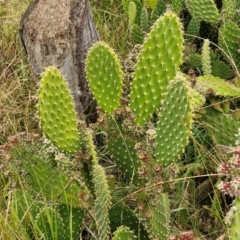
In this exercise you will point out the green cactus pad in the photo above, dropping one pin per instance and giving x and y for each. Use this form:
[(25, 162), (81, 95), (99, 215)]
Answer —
[(25, 207), (193, 29), (215, 86), (124, 154), (157, 64), (197, 99), (222, 127), (121, 215), (49, 224), (144, 20), (102, 202), (234, 229), (222, 70), (53, 184), (229, 42), (71, 219), (56, 111), (136, 35), (204, 9), (123, 233), (229, 8), (158, 222), (193, 60), (206, 60), (174, 124), (177, 6), (105, 76), (132, 13)]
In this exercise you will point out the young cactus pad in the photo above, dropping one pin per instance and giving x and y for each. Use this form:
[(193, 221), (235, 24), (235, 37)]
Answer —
[(157, 64), (174, 125), (105, 76), (123, 233), (56, 111)]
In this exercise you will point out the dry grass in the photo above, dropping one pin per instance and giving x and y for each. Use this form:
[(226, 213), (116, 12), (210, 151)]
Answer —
[(17, 87)]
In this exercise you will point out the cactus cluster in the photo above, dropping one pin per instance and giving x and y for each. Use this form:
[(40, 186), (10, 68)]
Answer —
[(144, 130)]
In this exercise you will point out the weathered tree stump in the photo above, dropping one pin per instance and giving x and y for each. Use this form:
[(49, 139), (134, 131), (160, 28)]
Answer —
[(59, 33)]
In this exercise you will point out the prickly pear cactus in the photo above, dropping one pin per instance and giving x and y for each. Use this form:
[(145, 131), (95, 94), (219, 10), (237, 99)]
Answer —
[(136, 35), (174, 124), (132, 13), (105, 76), (54, 184), (206, 60), (49, 224), (222, 70), (229, 8), (177, 5), (234, 229), (159, 217), (204, 9), (144, 20), (229, 42), (121, 215), (123, 233), (215, 86), (102, 202), (156, 67), (193, 29), (125, 157), (222, 127), (56, 111)]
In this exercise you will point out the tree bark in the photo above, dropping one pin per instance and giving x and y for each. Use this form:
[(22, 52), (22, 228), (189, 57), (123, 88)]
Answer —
[(59, 33)]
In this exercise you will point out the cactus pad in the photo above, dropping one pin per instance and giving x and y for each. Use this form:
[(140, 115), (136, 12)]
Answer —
[(174, 124), (136, 35), (215, 86), (204, 9), (123, 233), (222, 70), (105, 76), (206, 60), (156, 66), (121, 215), (159, 217), (102, 202), (53, 184), (229, 8), (125, 157), (56, 111), (193, 29), (222, 127), (49, 224), (132, 13), (229, 41), (234, 229)]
